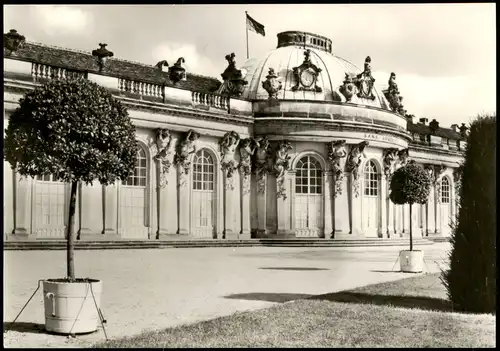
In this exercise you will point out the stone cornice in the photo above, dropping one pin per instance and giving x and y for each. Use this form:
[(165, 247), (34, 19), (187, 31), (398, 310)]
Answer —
[(20, 87), (432, 150), (333, 126), (184, 112)]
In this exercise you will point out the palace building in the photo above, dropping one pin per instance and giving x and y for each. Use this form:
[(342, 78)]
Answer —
[(299, 143)]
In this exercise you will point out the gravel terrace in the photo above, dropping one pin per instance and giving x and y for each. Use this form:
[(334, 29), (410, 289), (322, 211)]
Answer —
[(159, 288)]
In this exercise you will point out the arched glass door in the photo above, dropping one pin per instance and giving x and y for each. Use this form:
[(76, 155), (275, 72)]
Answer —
[(371, 200), (203, 203), (308, 198), (445, 207), (133, 200)]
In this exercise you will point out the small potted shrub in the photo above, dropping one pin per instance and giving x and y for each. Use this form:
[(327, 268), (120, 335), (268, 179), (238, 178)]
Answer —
[(78, 132), (410, 184)]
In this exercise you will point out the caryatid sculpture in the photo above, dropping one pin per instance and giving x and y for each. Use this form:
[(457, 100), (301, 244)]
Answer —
[(336, 152), (281, 166), (247, 150), (353, 163), (163, 143), (262, 154), (228, 146), (390, 158), (186, 147)]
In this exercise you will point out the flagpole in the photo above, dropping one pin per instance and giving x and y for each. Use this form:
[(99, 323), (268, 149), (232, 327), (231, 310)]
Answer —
[(246, 26)]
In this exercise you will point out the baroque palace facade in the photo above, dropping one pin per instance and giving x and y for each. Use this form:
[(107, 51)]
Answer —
[(299, 143)]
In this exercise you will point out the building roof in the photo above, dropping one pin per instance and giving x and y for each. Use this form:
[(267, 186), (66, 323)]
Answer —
[(423, 129), (84, 61), (286, 56)]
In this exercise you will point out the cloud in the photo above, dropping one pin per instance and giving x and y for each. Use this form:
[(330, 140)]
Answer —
[(195, 62), (62, 20)]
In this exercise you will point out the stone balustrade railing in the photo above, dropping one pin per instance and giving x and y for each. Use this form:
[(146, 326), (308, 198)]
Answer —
[(210, 100), (40, 71), (141, 88)]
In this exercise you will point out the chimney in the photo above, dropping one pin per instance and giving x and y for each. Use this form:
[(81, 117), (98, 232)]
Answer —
[(411, 118), (434, 125), (423, 121), (454, 127)]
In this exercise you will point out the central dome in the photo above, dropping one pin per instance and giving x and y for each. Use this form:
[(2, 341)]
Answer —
[(294, 47)]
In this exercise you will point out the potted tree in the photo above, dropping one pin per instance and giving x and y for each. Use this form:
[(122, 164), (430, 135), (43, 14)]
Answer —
[(78, 132), (410, 184)]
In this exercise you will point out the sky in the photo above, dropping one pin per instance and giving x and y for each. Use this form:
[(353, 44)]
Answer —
[(443, 54)]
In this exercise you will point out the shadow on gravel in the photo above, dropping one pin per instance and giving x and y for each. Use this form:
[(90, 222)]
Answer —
[(420, 302), (24, 327), (295, 268), (270, 297)]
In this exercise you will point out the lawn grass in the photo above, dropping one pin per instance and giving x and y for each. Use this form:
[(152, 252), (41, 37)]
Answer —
[(363, 317)]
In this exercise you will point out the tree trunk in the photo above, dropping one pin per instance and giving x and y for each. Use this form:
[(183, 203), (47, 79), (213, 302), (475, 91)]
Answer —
[(411, 231), (70, 235)]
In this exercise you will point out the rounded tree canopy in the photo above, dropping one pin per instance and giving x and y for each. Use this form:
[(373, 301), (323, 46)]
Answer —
[(409, 185), (74, 129)]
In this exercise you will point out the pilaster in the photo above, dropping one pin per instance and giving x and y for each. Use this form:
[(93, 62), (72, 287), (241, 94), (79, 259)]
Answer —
[(8, 199), (342, 206), (437, 209), (262, 195), (284, 208), (163, 209), (22, 205), (355, 205), (245, 205), (431, 213), (183, 198), (271, 212), (328, 189), (383, 206), (110, 209), (229, 208), (90, 210), (406, 219)]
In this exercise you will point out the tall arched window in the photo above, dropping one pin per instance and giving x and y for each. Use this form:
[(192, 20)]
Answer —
[(138, 178), (445, 191), (308, 197), (203, 205), (203, 171), (308, 176), (371, 179)]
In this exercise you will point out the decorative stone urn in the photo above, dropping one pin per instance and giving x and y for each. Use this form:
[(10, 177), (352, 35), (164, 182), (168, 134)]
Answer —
[(12, 41), (177, 72), (233, 78), (272, 85), (411, 261), (102, 55)]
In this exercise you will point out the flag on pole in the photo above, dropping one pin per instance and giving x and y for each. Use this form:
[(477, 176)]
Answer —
[(255, 26)]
